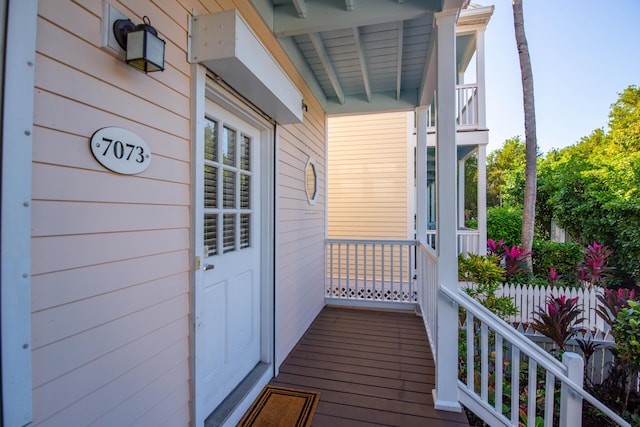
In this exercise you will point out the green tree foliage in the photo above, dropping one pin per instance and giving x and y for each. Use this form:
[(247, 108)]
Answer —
[(593, 188), (505, 166), (471, 193), (504, 223), (563, 257)]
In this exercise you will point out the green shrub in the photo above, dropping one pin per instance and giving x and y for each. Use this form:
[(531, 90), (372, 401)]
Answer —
[(504, 223), (564, 257), (486, 275)]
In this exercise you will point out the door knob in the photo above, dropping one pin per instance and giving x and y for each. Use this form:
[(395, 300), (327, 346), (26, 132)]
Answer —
[(209, 267)]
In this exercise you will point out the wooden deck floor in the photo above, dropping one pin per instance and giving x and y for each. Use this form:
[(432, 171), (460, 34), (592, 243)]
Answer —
[(372, 368)]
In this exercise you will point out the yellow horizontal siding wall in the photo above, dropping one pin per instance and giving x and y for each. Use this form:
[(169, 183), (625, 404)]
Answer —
[(368, 176)]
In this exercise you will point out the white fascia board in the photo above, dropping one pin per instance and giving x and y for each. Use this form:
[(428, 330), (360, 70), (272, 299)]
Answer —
[(225, 44)]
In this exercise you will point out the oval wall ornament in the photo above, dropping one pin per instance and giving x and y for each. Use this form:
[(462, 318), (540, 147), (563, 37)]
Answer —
[(120, 150)]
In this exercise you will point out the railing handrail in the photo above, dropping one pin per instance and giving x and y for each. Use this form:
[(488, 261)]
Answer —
[(371, 241), (526, 346), (466, 85)]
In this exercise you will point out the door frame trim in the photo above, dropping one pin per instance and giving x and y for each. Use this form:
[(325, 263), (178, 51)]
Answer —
[(19, 36), (206, 85)]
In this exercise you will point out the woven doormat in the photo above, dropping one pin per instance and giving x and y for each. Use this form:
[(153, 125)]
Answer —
[(281, 407)]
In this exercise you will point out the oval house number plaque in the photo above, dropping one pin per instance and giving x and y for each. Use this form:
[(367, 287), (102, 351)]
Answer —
[(120, 150)]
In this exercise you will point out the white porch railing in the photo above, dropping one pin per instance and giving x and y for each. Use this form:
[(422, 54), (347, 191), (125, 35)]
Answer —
[(497, 347), (371, 272), (492, 343), (468, 240), (467, 107)]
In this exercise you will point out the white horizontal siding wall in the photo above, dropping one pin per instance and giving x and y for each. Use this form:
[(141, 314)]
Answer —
[(300, 286), (110, 253), (368, 162)]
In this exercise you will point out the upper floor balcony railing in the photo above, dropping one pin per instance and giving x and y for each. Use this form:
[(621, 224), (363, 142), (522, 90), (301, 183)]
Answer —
[(467, 108), (468, 240)]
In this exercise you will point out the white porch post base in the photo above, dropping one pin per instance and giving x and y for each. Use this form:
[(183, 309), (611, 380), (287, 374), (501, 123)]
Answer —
[(445, 405)]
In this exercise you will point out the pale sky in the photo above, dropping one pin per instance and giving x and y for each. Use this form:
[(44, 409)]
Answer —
[(583, 54)]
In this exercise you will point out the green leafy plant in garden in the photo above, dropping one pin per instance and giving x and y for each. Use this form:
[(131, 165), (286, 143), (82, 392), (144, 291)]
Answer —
[(626, 329), (562, 257), (504, 223), (487, 276), (611, 302)]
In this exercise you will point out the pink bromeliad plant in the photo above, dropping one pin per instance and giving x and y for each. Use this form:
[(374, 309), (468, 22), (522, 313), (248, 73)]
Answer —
[(594, 268), (553, 276), (515, 260), (559, 319), (495, 248)]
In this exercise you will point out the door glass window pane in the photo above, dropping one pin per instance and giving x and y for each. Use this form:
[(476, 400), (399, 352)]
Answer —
[(229, 148), (229, 189), (211, 234), (245, 229), (245, 191), (245, 153), (229, 233), (210, 186), (210, 140)]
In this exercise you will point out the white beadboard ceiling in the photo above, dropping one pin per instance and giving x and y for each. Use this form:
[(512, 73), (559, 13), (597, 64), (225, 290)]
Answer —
[(359, 55)]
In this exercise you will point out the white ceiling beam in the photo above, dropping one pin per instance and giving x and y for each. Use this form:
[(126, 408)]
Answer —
[(327, 16), (399, 65), (350, 5), (300, 8), (318, 45), (363, 63)]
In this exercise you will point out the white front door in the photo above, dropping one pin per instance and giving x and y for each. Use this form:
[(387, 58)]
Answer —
[(228, 288)]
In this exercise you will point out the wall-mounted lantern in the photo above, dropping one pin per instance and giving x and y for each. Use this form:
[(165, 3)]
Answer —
[(145, 50)]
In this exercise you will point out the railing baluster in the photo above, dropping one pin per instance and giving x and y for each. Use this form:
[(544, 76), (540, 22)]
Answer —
[(470, 352), (549, 400), (484, 364), (348, 268), (331, 271), (392, 275), (499, 374), (533, 381), (515, 383), (365, 271), (356, 272), (375, 273), (382, 261), (340, 270)]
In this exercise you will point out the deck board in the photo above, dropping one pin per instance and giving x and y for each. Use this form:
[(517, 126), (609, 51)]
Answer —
[(372, 368)]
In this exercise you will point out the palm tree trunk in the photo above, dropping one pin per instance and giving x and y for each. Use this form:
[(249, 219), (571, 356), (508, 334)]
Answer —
[(529, 208)]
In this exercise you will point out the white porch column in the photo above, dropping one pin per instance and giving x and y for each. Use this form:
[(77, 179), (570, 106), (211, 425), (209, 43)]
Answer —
[(482, 199), (422, 213), (482, 103), (461, 190), (446, 391)]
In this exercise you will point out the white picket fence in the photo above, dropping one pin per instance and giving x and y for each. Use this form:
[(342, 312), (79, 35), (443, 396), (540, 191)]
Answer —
[(529, 299)]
